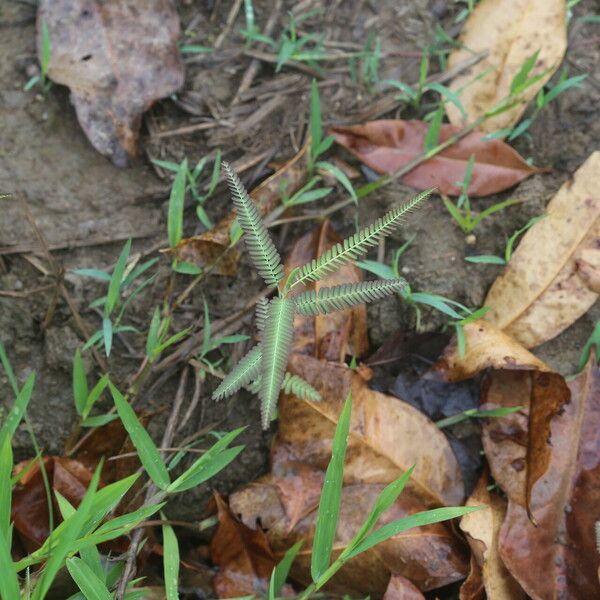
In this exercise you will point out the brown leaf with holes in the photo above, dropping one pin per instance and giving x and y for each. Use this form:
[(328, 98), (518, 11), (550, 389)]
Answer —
[(117, 58), (388, 145), (29, 500), (336, 334), (553, 277), (547, 392), (481, 529), (510, 31), (387, 437), (558, 558), (242, 554), (212, 247)]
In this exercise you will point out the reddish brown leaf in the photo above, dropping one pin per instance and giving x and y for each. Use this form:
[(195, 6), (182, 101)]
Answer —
[(400, 588), (473, 588), (336, 334), (29, 500), (203, 250), (243, 555), (388, 145), (117, 58), (557, 559), (547, 392)]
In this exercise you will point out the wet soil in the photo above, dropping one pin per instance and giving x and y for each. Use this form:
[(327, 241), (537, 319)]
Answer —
[(85, 207)]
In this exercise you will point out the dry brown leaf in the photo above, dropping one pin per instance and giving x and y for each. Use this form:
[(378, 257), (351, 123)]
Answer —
[(542, 291), (487, 347), (557, 559), (117, 58), (203, 250), (472, 587), (400, 588), (387, 437), (510, 31), (243, 555), (336, 334), (388, 145), (481, 529)]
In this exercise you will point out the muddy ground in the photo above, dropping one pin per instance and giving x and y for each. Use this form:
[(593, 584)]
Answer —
[(85, 207)]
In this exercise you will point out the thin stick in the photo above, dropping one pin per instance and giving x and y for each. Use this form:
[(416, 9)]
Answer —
[(233, 12)]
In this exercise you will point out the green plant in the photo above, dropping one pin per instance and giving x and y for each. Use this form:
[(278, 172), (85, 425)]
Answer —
[(265, 364), (45, 56), (114, 304), (461, 211), (474, 413), (74, 542), (466, 10), (368, 536), (593, 342), (509, 248)]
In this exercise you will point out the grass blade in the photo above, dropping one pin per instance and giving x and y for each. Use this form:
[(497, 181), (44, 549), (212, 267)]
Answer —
[(80, 386), (282, 569), (92, 587), (176, 201), (331, 496), (17, 410), (171, 562), (143, 443), (114, 287), (6, 465), (9, 582)]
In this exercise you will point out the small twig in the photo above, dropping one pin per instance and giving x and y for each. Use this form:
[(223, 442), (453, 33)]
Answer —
[(233, 12)]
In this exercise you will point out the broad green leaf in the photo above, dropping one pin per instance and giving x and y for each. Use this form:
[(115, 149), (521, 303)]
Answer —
[(176, 202), (92, 587), (282, 569), (331, 496), (171, 562), (80, 386), (147, 451)]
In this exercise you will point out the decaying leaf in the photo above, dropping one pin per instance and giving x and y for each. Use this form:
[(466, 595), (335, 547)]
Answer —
[(243, 555), (29, 500), (547, 392), (203, 250), (387, 437), (551, 279), (387, 145), (481, 529), (117, 58), (510, 31), (336, 334), (558, 558), (400, 588)]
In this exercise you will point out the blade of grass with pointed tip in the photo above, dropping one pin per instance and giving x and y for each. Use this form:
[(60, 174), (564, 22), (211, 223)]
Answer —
[(92, 587), (114, 287), (331, 496), (147, 451), (9, 582), (80, 386), (171, 562), (176, 201), (282, 569), (17, 410), (6, 465)]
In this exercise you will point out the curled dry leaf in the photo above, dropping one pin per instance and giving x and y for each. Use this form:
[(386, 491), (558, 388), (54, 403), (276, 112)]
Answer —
[(243, 555), (558, 558), (387, 437), (510, 31), (552, 278), (117, 58), (29, 501), (488, 347), (400, 588), (205, 249), (336, 334), (481, 529), (388, 145)]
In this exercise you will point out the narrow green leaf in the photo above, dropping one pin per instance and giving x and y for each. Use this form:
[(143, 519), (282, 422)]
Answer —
[(17, 411), (176, 203), (9, 582), (473, 413), (486, 258), (316, 126), (171, 562), (107, 335), (93, 273), (91, 557), (6, 465), (99, 420), (340, 176), (46, 50), (244, 372), (116, 279), (380, 269), (147, 451), (331, 496), (428, 517), (433, 131), (92, 587), (282, 569), (80, 386), (275, 348), (520, 79)]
